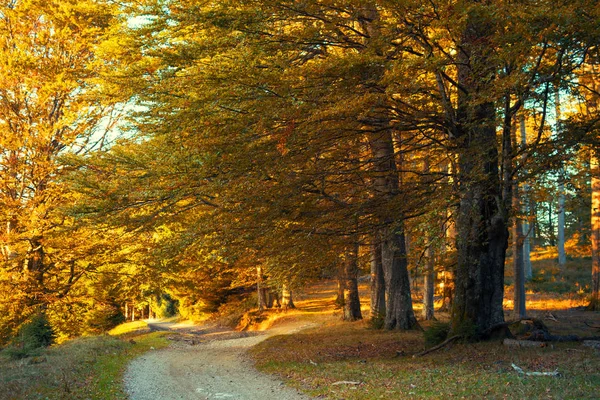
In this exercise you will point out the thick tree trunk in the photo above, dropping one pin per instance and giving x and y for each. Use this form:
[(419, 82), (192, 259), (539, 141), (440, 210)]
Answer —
[(377, 284), (482, 222), (399, 312), (351, 299), (286, 297), (595, 234), (429, 284)]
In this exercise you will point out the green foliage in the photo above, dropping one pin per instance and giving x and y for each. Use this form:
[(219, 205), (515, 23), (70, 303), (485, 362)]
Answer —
[(33, 335), (467, 330), (103, 318), (165, 306), (377, 321), (436, 333)]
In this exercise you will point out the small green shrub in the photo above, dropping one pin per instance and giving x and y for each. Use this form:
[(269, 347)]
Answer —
[(468, 332), (377, 321), (32, 336), (436, 333)]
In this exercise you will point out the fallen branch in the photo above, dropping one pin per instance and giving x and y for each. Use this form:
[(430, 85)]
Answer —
[(520, 371), (346, 383), (523, 343), (591, 326), (439, 346)]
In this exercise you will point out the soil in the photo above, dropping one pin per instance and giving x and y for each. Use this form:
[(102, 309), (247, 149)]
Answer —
[(206, 362)]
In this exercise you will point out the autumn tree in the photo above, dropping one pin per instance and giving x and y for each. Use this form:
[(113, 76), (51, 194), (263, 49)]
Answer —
[(49, 107)]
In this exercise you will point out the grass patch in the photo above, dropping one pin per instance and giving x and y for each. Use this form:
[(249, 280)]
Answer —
[(382, 362), (84, 368)]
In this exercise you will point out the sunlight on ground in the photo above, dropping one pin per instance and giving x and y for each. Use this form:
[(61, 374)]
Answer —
[(128, 327)]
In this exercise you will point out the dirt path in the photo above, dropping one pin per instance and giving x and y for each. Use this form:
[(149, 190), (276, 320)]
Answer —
[(205, 362)]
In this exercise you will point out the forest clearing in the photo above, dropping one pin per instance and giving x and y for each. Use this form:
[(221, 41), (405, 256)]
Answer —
[(434, 164)]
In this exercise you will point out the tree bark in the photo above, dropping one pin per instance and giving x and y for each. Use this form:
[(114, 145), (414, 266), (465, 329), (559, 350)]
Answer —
[(526, 209), (260, 291), (482, 222), (286, 297), (560, 242), (351, 300), (377, 284), (429, 284), (341, 286), (518, 261), (595, 234), (399, 310)]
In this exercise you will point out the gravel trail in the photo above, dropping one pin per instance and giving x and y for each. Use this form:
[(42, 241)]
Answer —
[(205, 364)]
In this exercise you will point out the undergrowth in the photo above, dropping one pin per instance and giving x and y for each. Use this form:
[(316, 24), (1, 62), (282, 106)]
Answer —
[(84, 368)]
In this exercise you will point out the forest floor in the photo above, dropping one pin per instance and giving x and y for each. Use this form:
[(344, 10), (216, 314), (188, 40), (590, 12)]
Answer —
[(315, 353), (342, 360)]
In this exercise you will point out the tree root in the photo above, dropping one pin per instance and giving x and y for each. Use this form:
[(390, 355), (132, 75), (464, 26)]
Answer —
[(439, 346)]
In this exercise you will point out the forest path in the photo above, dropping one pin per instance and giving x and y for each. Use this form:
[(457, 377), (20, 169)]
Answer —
[(206, 362)]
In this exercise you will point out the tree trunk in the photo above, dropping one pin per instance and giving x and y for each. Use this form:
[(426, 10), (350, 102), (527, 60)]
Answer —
[(429, 284), (286, 297), (526, 210), (595, 234), (560, 243), (399, 310), (133, 313), (482, 222), (126, 312), (429, 270), (351, 299), (341, 286), (518, 261), (260, 290), (377, 284)]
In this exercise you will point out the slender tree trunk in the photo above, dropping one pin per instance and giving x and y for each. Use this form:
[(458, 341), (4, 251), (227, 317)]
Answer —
[(429, 270), (351, 300), (286, 297), (526, 209), (377, 284), (341, 286), (551, 235), (429, 284), (133, 312), (595, 234), (562, 257), (126, 312), (518, 261)]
